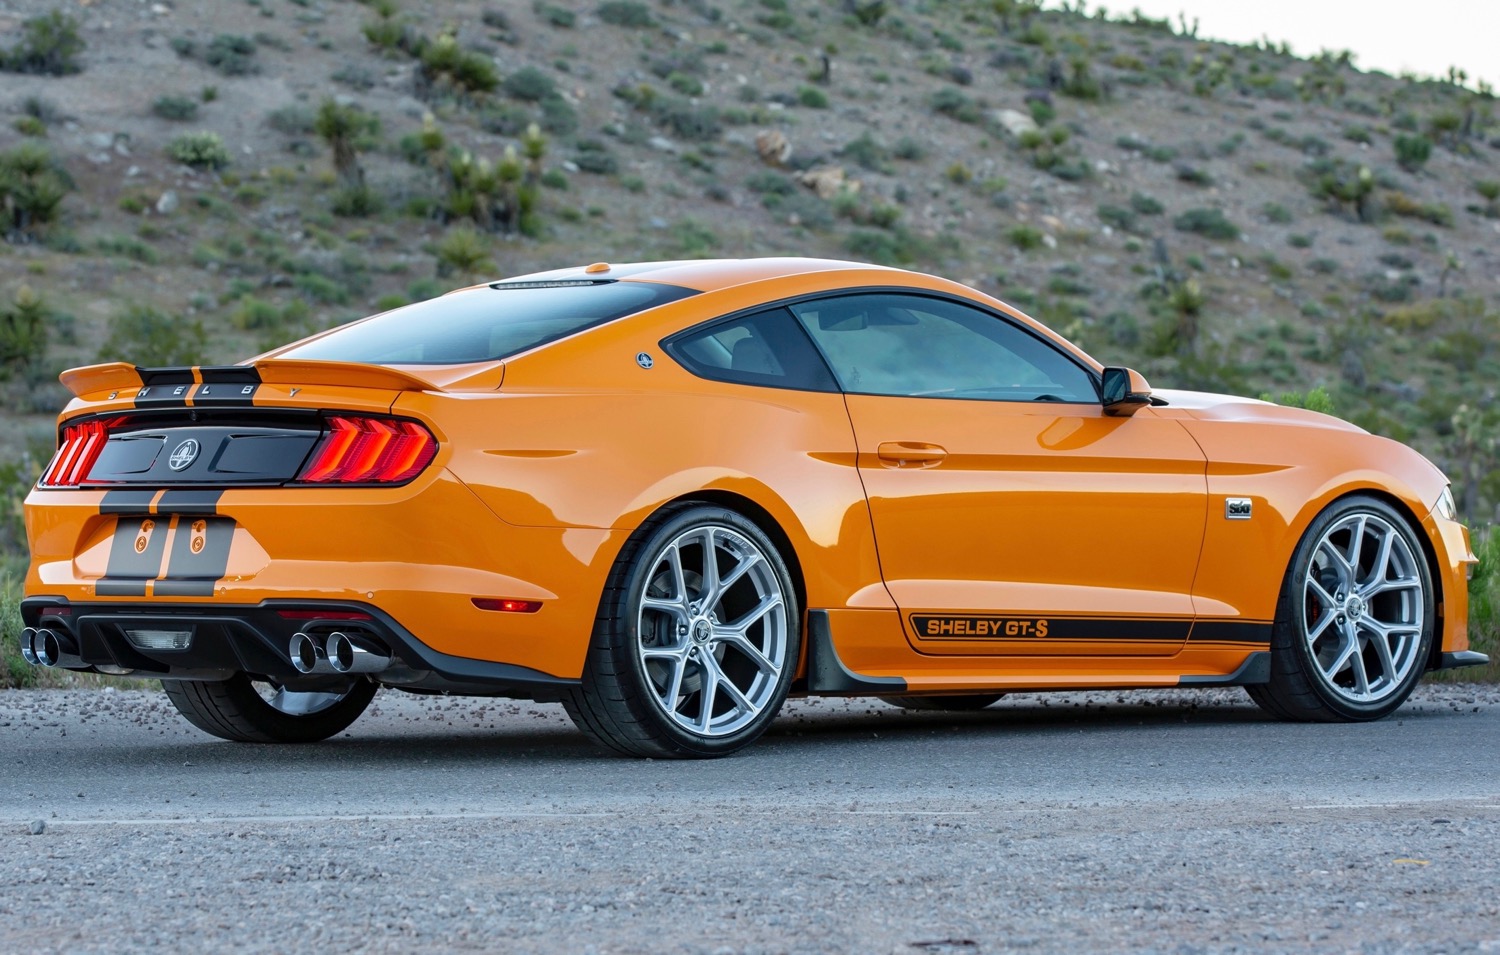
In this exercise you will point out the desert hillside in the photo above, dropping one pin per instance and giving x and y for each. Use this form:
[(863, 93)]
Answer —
[(185, 182)]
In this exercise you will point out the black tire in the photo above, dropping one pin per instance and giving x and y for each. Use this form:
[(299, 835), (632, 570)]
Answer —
[(235, 710), (946, 704), (1323, 650), (622, 703)]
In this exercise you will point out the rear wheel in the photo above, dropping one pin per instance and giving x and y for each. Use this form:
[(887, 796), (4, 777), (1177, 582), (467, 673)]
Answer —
[(696, 641), (1354, 623), (946, 704), (254, 711)]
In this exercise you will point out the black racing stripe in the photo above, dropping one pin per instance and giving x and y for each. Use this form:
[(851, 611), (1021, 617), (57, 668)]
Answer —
[(169, 395), (204, 502), (1043, 629), (192, 574), (128, 569), (221, 394), (126, 502), (1230, 631)]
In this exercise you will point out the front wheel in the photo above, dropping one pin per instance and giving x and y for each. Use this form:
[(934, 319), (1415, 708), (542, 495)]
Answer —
[(252, 711), (696, 642), (1354, 623)]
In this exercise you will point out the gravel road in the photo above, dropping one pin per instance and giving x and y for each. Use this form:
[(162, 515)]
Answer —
[(1091, 822)]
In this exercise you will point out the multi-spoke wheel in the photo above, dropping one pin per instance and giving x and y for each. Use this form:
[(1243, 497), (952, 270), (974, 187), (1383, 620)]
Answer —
[(254, 711), (696, 641), (1354, 625)]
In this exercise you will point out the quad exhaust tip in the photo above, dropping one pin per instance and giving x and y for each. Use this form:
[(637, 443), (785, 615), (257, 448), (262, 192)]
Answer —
[(337, 653)]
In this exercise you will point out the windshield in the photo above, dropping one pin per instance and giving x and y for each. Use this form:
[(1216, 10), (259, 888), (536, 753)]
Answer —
[(485, 324)]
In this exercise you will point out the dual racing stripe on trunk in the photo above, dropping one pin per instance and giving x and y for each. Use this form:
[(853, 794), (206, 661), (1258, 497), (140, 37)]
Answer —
[(200, 385), (199, 554)]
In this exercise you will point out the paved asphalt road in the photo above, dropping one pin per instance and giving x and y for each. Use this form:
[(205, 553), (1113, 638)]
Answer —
[(1070, 822)]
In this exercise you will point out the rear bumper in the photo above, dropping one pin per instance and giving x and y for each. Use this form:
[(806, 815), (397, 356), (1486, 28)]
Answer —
[(414, 556), (255, 639)]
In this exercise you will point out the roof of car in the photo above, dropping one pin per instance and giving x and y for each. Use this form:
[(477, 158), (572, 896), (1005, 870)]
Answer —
[(704, 275)]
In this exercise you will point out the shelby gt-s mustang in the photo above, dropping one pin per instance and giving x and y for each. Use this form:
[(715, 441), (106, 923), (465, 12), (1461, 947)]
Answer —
[(670, 494)]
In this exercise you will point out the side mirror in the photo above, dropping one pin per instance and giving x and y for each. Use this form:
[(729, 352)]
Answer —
[(1124, 392)]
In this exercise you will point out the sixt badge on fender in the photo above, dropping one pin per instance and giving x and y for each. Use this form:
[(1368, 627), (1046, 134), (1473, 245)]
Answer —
[(979, 628)]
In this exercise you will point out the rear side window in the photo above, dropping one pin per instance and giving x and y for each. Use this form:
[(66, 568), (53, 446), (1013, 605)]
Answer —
[(486, 324), (765, 348)]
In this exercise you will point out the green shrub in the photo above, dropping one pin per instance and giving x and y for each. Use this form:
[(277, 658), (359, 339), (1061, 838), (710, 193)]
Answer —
[(1025, 237), (463, 252), (626, 13), (141, 335), (812, 97), (49, 46), (529, 84), (953, 103), (23, 332), (32, 188), (1209, 223), (199, 150), (1146, 205), (179, 109), (1412, 152), (560, 17), (595, 157), (868, 153), (232, 55), (445, 66)]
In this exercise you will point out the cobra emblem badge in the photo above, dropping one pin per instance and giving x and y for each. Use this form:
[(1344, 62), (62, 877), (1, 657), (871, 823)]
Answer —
[(183, 455)]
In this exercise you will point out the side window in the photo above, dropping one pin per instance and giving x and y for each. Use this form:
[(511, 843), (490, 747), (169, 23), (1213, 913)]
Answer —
[(765, 348), (894, 344)]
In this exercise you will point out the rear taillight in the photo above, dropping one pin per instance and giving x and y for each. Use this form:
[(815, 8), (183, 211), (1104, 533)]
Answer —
[(361, 450), (81, 446)]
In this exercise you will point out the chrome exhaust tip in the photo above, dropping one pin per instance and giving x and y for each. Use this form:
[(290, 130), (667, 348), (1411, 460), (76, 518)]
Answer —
[(55, 650), (28, 651), (307, 655), (347, 654)]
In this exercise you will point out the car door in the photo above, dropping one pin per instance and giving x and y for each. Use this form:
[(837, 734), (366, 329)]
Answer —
[(1011, 515)]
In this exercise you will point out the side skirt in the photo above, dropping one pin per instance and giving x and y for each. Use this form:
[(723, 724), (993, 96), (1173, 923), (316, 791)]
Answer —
[(1255, 669)]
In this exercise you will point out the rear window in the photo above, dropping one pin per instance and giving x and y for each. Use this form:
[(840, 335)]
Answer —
[(486, 324)]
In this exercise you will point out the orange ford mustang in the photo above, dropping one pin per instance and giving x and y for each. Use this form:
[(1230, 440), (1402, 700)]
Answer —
[(670, 494)]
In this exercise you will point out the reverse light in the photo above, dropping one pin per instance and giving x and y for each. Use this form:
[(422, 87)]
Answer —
[(81, 446), (507, 604), (363, 450)]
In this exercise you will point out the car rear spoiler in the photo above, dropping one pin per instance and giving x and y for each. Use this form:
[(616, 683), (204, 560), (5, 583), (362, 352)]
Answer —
[(120, 376)]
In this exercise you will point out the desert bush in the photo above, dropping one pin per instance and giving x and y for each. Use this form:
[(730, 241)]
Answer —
[(1118, 217), (463, 252), (23, 332), (867, 153), (179, 109), (594, 157), (1399, 203), (1146, 205), (446, 67), (49, 46), (1341, 184), (342, 127), (232, 55), (1412, 152), (1025, 237), (626, 13), (953, 103), (141, 335), (559, 17), (200, 150), (529, 84), (32, 187), (812, 97), (1209, 223)]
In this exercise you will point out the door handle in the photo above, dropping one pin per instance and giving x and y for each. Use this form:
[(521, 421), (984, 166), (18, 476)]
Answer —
[(905, 454)]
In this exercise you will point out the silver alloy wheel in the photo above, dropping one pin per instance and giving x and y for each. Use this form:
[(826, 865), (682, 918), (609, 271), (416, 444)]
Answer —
[(1363, 608), (712, 630), (295, 702)]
